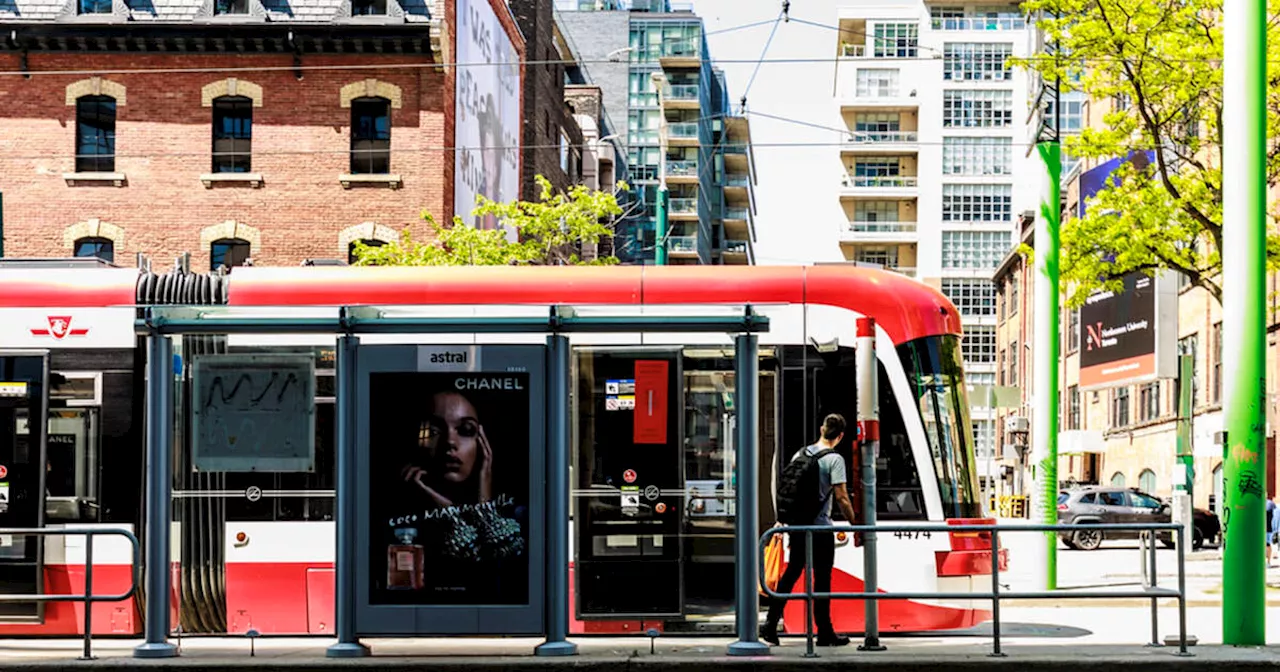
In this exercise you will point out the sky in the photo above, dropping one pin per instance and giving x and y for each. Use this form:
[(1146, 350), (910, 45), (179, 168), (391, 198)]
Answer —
[(798, 217)]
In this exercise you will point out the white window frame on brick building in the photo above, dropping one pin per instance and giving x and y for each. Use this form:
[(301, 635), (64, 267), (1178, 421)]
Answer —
[(234, 237), (88, 97), (365, 143), (230, 146)]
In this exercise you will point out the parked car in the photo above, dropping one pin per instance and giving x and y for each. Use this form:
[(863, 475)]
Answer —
[(1102, 505)]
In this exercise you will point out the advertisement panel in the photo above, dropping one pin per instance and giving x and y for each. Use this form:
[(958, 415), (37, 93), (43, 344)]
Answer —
[(1131, 336), (452, 442), (487, 135)]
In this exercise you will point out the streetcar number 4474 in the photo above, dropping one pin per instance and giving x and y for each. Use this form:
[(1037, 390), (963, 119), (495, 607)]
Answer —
[(913, 535)]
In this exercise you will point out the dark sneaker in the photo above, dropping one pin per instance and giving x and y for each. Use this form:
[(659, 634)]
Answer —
[(833, 640), (769, 634)]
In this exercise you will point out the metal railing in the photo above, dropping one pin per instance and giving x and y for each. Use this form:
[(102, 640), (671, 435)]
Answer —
[(685, 130), (682, 169), (880, 137), (682, 244), (869, 226), (737, 213), (980, 23), (88, 598), (683, 92), (1153, 591), (879, 181), (683, 206)]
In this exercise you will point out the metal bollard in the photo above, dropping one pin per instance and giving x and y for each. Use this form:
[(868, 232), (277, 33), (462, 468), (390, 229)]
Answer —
[(1155, 582), (88, 596), (808, 595), (995, 590)]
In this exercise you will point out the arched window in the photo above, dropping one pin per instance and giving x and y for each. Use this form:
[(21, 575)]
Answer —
[(102, 248), (95, 134), (370, 136), (229, 252), (232, 134), (351, 248), (1147, 481), (1117, 479)]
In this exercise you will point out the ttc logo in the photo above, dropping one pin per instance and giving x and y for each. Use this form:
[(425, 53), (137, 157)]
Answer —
[(59, 328)]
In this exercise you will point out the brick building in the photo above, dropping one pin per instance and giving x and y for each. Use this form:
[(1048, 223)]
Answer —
[(553, 143), (229, 129)]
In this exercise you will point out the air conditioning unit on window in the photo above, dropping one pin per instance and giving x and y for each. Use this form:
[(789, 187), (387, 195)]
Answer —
[(1017, 424)]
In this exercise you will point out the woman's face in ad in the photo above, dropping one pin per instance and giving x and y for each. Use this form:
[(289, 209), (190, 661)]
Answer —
[(451, 437)]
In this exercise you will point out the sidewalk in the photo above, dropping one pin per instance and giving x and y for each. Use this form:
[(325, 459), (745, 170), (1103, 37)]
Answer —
[(628, 654)]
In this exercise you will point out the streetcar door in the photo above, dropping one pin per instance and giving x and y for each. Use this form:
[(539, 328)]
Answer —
[(627, 484), (23, 396)]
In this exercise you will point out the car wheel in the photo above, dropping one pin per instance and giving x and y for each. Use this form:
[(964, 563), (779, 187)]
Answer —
[(1066, 541), (1197, 539), (1087, 540)]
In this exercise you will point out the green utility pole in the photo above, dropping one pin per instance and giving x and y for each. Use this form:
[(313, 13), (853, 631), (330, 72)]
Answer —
[(660, 234), (1044, 414), (1244, 250)]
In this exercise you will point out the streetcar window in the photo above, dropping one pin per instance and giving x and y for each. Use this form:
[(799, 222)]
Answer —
[(936, 374), (899, 495)]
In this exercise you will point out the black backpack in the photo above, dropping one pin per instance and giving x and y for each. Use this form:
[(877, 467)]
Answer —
[(799, 500)]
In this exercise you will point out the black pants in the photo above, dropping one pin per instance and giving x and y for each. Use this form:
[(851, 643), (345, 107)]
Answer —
[(824, 560)]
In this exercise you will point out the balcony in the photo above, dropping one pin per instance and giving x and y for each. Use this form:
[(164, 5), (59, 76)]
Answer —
[(681, 97), (680, 55), (682, 133), (736, 253), (682, 172), (980, 23), (683, 208), (879, 186), (860, 142), (879, 232), (682, 246), (737, 223), (848, 50)]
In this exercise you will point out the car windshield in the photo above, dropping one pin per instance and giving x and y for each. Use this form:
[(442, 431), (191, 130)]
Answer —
[(936, 374)]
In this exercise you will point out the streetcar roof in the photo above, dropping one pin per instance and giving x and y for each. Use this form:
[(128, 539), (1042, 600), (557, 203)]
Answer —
[(905, 308)]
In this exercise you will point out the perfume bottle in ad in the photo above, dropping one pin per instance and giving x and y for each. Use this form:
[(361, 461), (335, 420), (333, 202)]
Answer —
[(405, 561)]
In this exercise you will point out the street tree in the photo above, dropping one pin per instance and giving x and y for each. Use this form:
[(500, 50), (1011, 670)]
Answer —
[(550, 231), (1159, 64)]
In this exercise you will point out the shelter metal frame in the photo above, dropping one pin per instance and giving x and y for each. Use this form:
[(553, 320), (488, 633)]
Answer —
[(160, 323)]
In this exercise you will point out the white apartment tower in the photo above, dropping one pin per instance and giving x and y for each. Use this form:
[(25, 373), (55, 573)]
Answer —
[(936, 168)]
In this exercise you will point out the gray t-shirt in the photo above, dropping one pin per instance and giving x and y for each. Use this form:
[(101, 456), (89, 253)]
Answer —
[(831, 473)]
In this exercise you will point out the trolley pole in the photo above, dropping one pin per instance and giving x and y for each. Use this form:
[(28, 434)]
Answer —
[(159, 497), (1244, 251), (1044, 414), (869, 444)]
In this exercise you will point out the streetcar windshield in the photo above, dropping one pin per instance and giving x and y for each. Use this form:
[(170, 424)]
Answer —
[(935, 371)]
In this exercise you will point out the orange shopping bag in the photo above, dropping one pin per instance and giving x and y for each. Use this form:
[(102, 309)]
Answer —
[(774, 563)]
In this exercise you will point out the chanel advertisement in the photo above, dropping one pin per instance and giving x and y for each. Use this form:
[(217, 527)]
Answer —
[(449, 491)]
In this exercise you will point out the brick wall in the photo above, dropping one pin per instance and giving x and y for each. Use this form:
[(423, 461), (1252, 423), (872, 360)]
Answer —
[(163, 142), (546, 114)]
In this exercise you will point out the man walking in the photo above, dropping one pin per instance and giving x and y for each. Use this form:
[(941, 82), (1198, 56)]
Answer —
[(806, 487)]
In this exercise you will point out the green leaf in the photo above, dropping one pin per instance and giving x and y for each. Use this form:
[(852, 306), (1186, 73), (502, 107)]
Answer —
[(549, 231)]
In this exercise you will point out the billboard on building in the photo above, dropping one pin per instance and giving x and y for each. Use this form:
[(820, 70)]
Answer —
[(487, 113), (1130, 336), (451, 471)]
